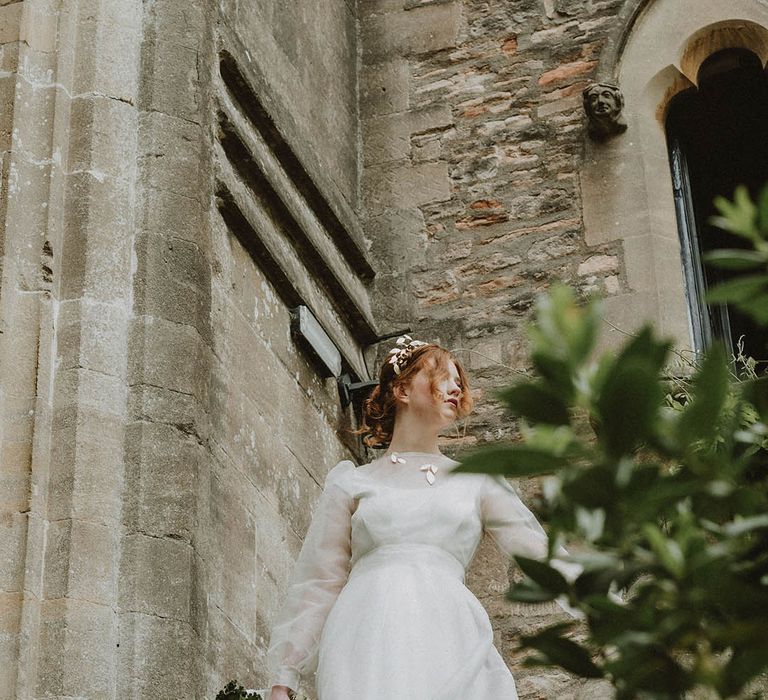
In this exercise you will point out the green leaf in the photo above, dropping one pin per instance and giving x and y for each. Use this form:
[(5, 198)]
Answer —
[(762, 211), (564, 653), (526, 592), (740, 289), (591, 488), (536, 403), (757, 306), (666, 550), (735, 259), (631, 394), (756, 392), (591, 522), (628, 405), (563, 335), (595, 585), (554, 371), (513, 460), (738, 217), (744, 525), (650, 669), (645, 345), (543, 574), (744, 665), (648, 497), (710, 390)]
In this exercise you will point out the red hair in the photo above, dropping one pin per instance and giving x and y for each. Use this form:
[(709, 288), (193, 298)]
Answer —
[(380, 408)]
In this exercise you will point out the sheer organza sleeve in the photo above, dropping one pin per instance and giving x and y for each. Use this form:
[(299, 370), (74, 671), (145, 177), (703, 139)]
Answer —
[(515, 529), (319, 574)]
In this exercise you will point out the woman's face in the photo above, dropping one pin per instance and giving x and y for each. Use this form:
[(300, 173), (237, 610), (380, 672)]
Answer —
[(422, 403)]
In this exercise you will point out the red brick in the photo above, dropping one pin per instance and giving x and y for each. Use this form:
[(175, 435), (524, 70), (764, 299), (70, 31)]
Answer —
[(485, 204), (509, 47), (568, 70), (491, 287), (473, 222)]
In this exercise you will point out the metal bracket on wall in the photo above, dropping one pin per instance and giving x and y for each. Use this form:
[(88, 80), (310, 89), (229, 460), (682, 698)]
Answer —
[(357, 392), (354, 392)]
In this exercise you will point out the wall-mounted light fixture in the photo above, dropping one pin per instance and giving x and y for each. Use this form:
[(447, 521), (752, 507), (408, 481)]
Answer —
[(308, 332)]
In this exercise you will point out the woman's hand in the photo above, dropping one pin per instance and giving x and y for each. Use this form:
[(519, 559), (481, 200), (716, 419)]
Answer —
[(280, 692)]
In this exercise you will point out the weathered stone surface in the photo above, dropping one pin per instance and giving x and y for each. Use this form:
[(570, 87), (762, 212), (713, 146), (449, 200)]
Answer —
[(568, 70), (421, 184), (81, 561), (162, 474), (88, 628), (171, 280), (312, 50), (598, 264), (172, 84), (181, 436), (173, 215), (10, 21), (389, 137), (167, 592), (10, 625), (421, 30), (171, 153), (168, 355), (384, 88), (169, 671), (102, 347), (183, 24), (101, 60), (95, 248)]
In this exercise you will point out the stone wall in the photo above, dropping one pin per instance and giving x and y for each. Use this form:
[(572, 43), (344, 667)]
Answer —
[(150, 516), (276, 425), (174, 178), (474, 136), (306, 53), (65, 303), (15, 421)]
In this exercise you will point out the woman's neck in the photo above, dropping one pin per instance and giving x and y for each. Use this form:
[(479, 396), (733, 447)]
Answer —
[(413, 433), (403, 442)]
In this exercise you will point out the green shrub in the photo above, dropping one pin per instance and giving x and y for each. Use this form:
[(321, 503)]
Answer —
[(659, 482)]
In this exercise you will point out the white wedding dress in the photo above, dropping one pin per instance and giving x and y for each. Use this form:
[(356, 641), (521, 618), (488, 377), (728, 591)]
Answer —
[(377, 608)]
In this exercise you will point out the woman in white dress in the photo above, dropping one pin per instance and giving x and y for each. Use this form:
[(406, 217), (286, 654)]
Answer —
[(377, 608)]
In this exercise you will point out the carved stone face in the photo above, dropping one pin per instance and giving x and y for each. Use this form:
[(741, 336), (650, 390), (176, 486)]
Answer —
[(603, 102)]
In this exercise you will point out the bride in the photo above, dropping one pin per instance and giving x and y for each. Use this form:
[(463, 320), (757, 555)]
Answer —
[(377, 608)]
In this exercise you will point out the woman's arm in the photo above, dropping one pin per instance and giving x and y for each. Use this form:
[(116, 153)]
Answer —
[(320, 573), (515, 529)]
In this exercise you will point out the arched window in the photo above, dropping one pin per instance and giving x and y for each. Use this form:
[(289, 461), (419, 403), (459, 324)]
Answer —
[(718, 138)]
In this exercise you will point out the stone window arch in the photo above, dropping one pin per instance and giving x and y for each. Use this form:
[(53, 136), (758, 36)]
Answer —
[(717, 134), (626, 181)]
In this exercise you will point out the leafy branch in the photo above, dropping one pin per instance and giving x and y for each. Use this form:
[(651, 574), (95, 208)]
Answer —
[(661, 484)]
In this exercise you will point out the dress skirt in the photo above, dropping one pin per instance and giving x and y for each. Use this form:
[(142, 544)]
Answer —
[(405, 627)]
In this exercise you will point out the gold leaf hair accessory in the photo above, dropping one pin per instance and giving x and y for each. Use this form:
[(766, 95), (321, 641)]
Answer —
[(403, 352)]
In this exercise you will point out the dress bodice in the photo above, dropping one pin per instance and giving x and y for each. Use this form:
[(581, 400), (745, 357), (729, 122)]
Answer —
[(394, 504)]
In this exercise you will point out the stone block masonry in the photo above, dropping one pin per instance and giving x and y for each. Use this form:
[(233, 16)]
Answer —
[(473, 132), (163, 439), (149, 516)]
